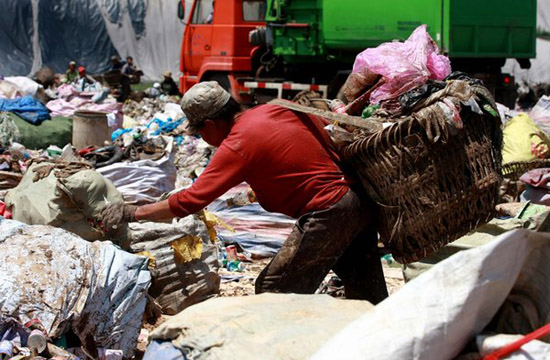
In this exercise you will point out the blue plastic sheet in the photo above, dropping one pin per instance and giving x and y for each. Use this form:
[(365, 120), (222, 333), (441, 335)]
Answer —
[(28, 108), (165, 126)]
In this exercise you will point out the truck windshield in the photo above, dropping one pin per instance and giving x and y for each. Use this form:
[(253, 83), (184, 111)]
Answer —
[(204, 12), (254, 10)]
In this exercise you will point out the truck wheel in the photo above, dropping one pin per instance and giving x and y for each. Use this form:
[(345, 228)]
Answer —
[(222, 79)]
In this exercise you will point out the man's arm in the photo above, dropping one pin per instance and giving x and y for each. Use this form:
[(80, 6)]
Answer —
[(224, 171), (155, 212)]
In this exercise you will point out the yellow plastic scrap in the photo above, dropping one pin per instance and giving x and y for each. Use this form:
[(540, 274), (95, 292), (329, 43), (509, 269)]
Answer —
[(523, 140), (211, 221), (187, 248), (152, 260)]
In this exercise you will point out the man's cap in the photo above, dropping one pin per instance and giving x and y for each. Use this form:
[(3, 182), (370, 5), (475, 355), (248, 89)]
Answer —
[(72, 63), (81, 69), (203, 100), (114, 57), (168, 74), (156, 85)]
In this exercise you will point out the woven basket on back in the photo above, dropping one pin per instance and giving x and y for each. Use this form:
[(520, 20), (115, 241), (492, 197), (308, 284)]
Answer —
[(433, 182)]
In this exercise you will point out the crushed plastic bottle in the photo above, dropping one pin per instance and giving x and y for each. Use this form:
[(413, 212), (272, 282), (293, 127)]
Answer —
[(235, 265), (242, 198), (388, 259)]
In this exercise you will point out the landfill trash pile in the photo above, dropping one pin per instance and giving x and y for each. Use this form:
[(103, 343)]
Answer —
[(71, 297), (41, 114), (143, 111), (503, 299), (191, 159)]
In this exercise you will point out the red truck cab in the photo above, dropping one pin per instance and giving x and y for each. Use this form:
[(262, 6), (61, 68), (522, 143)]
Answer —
[(215, 43)]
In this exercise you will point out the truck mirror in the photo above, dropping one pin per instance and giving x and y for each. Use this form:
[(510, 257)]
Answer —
[(181, 9)]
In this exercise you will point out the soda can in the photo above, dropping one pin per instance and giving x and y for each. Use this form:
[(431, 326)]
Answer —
[(231, 252), (6, 350)]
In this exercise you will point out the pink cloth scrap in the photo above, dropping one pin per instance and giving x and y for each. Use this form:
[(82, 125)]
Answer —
[(539, 178)]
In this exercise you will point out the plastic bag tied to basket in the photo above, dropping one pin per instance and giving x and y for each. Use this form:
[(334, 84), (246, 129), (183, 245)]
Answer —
[(402, 66)]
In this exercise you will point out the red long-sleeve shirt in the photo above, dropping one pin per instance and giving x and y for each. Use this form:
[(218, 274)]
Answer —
[(286, 157)]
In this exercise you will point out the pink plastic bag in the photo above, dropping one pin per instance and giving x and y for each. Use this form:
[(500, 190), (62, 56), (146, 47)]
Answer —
[(66, 91), (403, 66)]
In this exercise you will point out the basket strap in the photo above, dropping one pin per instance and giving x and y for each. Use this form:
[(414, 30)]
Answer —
[(371, 126)]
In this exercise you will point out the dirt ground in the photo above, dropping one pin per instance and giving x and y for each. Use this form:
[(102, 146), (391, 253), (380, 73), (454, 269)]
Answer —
[(245, 284)]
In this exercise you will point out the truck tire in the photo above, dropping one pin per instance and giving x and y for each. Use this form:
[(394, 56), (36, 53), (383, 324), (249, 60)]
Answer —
[(221, 78)]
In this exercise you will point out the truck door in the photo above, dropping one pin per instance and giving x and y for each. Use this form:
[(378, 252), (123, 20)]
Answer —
[(198, 40)]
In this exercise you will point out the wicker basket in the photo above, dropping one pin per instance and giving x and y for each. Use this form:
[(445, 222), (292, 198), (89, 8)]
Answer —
[(432, 184), (514, 170)]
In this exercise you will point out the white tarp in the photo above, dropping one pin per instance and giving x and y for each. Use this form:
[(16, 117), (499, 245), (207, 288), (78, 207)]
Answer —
[(437, 314), (144, 181), (157, 48), (66, 282), (36, 33)]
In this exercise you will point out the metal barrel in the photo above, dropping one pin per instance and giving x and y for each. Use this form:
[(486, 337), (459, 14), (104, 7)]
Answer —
[(90, 128)]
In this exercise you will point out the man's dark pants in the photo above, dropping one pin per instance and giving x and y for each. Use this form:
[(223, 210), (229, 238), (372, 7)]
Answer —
[(341, 238)]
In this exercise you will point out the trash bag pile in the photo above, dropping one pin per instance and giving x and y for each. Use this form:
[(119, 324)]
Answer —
[(41, 108)]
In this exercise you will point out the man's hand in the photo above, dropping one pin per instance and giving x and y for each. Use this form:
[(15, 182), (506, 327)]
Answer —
[(116, 214)]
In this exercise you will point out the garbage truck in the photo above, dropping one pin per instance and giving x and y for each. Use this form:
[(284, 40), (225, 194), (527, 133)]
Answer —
[(259, 49)]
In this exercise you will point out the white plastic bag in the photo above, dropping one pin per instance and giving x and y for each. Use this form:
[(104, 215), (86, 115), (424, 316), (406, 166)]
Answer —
[(435, 315), (144, 181)]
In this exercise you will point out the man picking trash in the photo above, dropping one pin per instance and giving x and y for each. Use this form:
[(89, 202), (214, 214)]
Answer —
[(290, 162)]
